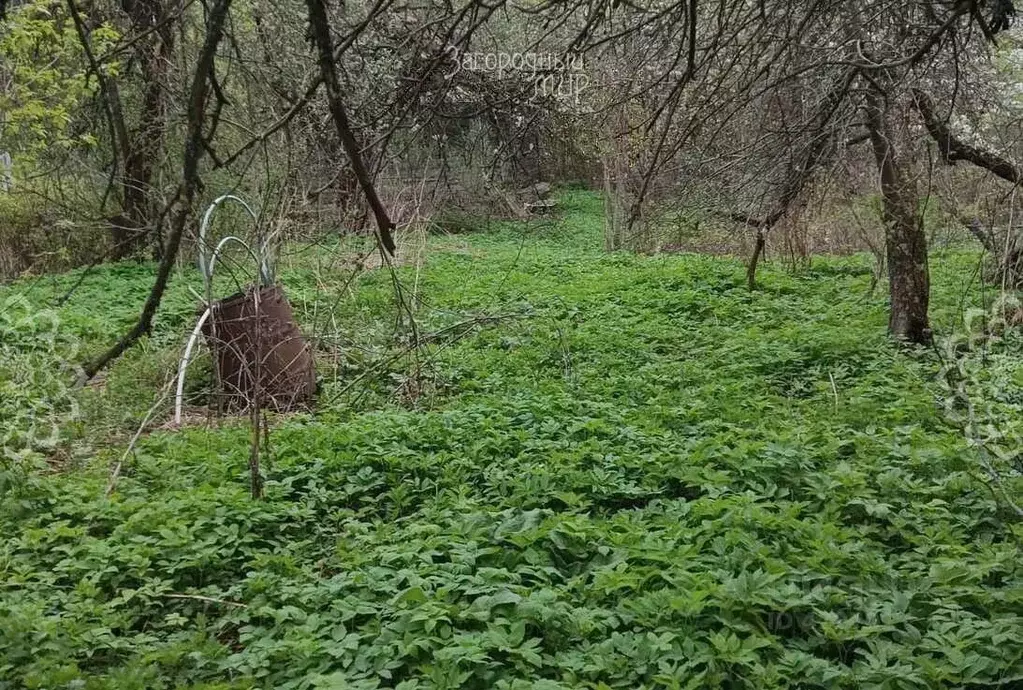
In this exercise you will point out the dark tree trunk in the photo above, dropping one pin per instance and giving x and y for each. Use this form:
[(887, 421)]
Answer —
[(905, 240), (142, 150), (751, 269)]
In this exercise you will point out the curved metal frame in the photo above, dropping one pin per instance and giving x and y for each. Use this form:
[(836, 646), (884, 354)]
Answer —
[(206, 266), (266, 275)]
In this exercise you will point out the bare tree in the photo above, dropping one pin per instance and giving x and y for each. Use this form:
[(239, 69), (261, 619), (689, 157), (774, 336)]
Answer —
[(708, 109)]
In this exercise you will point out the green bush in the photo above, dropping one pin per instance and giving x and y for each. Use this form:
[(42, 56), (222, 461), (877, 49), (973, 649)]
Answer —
[(35, 238)]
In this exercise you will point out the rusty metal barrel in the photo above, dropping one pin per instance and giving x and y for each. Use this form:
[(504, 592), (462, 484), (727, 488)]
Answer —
[(260, 352)]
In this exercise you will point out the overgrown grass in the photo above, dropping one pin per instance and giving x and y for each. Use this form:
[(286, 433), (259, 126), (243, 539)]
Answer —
[(641, 475)]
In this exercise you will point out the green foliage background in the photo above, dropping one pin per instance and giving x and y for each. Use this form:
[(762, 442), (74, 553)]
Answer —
[(48, 85)]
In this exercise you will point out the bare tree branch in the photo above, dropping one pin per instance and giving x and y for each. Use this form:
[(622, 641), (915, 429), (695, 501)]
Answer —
[(189, 187), (320, 28), (954, 149)]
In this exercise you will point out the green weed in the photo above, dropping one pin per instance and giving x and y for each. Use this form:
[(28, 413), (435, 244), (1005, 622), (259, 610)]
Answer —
[(640, 476)]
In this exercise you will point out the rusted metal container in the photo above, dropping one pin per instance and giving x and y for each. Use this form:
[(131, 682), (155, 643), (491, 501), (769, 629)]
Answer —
[(255, 339)]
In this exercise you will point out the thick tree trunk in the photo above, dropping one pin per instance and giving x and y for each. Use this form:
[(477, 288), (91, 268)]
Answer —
[(905, 240)]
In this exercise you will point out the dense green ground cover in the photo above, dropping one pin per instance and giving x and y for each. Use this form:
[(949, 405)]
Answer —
[(642, 476)]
